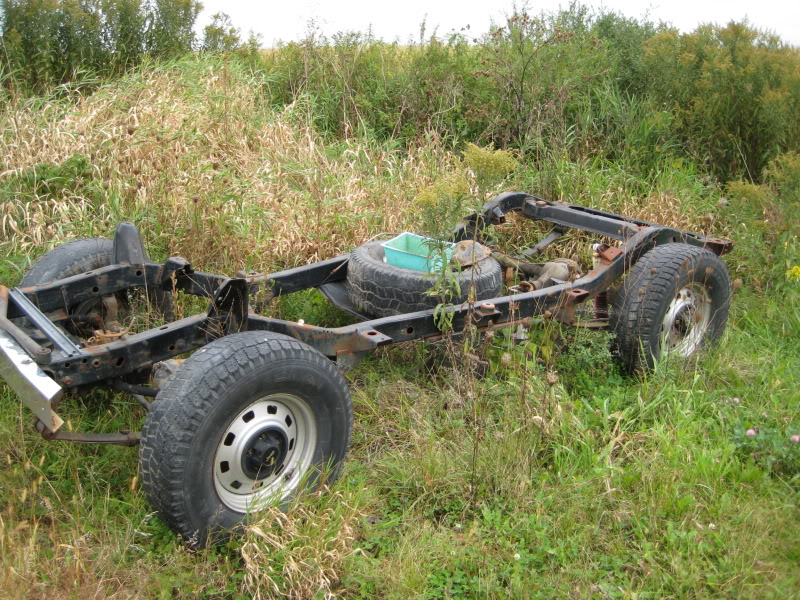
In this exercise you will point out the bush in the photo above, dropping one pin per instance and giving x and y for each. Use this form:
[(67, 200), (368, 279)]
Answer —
[(734, 92), (51, 42)]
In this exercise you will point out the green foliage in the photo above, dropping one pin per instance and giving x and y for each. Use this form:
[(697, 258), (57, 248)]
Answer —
[(777, 450), (572, 83), (567, 83), (312, 307), (553, 476), (734, 92), (489, 166), (220, 35), (445, 287), (48, 179), (443, 204), (624, 38), (50, 42), (584, 357), (766, 221), (783, 173), (536, 67)]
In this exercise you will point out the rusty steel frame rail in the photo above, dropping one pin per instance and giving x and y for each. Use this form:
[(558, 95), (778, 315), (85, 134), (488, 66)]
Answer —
[(573, 216), (229, 312)]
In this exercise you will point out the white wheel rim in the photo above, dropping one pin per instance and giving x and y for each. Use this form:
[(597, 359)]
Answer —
[(687, 321), (287, 423)]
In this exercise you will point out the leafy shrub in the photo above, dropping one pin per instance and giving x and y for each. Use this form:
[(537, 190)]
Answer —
[(490, 166), (220, 35), (784, 173), (443, 203), (51, 42), (572, 84), (48, 179), (734, 92)]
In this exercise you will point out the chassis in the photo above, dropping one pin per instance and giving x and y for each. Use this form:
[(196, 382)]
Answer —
[(60, 364), (40, 362)]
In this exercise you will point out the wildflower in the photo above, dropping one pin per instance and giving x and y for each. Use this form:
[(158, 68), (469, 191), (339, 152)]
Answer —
[(793, 274), (751, 432), (516, 556), (795, 439)]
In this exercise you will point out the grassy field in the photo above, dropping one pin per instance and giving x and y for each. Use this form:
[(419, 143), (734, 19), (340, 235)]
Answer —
[(553, 477)]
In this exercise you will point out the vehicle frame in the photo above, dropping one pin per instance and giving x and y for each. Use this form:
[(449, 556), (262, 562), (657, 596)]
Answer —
[(41, 370)]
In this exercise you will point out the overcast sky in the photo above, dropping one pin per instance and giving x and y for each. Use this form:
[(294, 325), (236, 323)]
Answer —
[(400, 19)]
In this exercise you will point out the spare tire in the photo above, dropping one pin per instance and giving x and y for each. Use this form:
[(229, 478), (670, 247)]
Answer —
[(81, 256), (72, 258), (382, 290)]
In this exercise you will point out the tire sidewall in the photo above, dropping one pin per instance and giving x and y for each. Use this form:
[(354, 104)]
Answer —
[(81, 256), (373, 252), (379, 289), (71, 258)]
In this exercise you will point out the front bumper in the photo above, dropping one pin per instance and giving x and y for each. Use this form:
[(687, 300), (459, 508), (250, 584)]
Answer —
[(36, 390)]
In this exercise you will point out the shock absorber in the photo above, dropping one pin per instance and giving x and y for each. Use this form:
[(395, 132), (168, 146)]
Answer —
[(601, 300)]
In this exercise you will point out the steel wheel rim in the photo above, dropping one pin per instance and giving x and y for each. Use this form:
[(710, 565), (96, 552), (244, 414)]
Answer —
[(686, 321), (281, 421)]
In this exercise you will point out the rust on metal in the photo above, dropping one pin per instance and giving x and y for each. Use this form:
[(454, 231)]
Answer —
[(129, 358), (718, 246), (567, 303), (485, 314), (609, 254)]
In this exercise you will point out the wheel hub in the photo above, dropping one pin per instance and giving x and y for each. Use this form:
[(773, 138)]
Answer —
[(687, 320), (264, 453), (683, 320)]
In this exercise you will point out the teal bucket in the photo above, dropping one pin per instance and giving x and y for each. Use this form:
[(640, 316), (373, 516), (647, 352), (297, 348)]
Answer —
[(415, 252)]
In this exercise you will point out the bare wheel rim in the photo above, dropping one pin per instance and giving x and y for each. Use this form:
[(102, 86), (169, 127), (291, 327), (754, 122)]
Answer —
[(686, 321), (265, 452)]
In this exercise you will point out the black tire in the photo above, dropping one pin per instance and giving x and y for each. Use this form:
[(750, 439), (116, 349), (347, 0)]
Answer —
[(82, 256), (72, 258), (674, 301), (382, 290), (205, 401)]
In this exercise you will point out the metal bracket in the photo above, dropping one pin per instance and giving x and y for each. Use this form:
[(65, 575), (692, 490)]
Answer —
[(128, 246), (56, 336), (229, 306)]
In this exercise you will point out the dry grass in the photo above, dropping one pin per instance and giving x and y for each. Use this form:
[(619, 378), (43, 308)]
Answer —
[(300, 553), (220, 178), (190, 152)]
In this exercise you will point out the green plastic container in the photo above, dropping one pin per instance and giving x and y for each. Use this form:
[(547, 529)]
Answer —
[(415, 252)]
